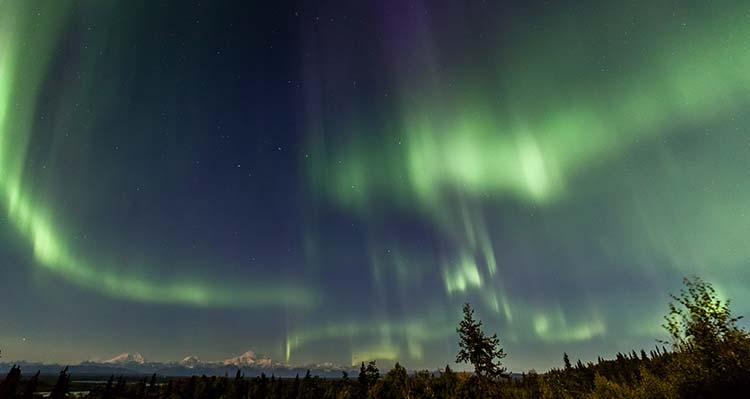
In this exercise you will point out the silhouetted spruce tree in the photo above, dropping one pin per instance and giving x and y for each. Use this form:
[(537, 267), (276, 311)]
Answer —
[(566, 361), (394, 384), (294, 390), (421, 384), (62, 386), (30, 386), (166, 393), (140, 389), (372, 371), (260, 388), (362, 383), (368, 375), (120, 386), (188, 390), (278, 388), (444, 386), (151, 392), (9, 386), (109, 389), (484, 353)]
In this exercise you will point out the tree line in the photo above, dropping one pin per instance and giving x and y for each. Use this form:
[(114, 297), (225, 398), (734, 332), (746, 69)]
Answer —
[(709, 357)]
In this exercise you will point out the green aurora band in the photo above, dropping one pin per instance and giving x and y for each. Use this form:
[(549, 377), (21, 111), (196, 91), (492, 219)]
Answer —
[(556, 120), (449, 157), (27, 37), (475, 145)]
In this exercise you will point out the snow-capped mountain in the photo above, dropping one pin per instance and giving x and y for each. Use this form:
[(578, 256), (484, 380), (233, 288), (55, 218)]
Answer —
[(126, 358), (191, 362), (249, 359), (265, 362), (248, 363), (245, 359)]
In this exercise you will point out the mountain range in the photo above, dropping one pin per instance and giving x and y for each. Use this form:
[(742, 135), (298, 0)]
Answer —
[(133, 364)]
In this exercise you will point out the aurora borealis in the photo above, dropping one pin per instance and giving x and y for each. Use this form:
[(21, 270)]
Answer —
[(322, 182)]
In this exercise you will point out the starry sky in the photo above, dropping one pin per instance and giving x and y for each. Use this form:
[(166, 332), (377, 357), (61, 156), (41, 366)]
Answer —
[(330, 181)]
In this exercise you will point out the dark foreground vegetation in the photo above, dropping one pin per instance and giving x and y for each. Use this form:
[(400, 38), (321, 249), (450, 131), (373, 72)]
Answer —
[(709, 358)]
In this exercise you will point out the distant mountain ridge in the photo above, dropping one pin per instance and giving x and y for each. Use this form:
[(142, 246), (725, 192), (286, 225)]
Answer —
[(191, 361), (131, 364), (126, 358)]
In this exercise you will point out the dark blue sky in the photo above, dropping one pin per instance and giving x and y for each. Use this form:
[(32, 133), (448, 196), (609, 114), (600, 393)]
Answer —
[(331, 182)]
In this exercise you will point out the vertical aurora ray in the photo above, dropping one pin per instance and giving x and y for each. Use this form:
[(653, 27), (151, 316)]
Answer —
[(475, 154), (532, 155), (355, 173)]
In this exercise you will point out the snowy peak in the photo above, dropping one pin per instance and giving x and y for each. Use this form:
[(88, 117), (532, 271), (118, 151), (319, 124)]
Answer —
[(264, 362), (250, 364), (190, 362), (245, 359), (125, 358)]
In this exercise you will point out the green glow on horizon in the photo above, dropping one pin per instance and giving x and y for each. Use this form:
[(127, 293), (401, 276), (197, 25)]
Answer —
[(379, 352), (413, 332), (20, 79), (405, 339), (555, 328)]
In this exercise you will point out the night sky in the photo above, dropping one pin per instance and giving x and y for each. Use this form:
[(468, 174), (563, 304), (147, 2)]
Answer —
[(331, 181)]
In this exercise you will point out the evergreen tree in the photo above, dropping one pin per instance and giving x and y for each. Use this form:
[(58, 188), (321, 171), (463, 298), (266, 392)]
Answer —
[(62, 386), (109, 389), (168, 389), (30, 386), (395, 384), (120, 386), (188, 391), (152, 386), (362, 383), (261, 387), (304, 386), (294, 391), (9, 386), (373, 374), (445, 385), (484, 353), (278, 388), (368, 375)]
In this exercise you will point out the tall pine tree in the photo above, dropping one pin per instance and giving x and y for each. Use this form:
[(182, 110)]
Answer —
[(483, 352)]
